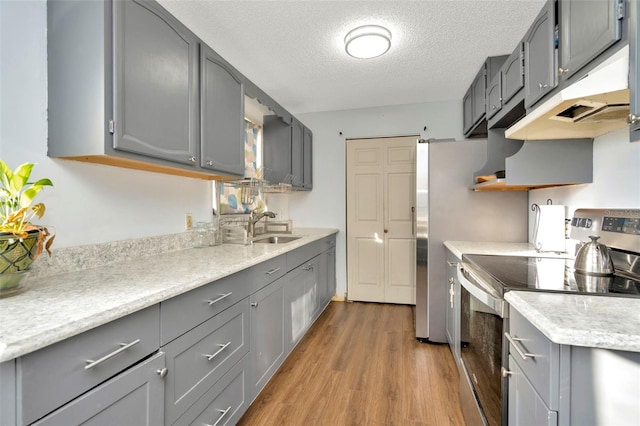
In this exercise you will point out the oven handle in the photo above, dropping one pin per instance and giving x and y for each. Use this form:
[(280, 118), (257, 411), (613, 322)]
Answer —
[(481, 292)]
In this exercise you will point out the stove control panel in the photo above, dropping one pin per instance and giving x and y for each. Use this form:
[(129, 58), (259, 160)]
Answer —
[(617, 228)]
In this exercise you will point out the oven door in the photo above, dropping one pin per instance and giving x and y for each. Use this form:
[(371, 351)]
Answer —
[(482, 326)]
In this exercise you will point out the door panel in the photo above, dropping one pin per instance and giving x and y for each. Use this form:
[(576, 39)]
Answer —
[(380, 220)]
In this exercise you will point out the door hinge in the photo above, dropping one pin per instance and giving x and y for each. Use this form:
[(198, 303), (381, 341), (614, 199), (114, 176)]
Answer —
[(112, 127), (620, 9)]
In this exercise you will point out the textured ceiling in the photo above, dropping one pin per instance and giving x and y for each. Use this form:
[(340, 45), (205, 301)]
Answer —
[(294, 49)]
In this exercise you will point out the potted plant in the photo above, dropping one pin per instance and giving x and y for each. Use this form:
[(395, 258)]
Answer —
[(21, 241)]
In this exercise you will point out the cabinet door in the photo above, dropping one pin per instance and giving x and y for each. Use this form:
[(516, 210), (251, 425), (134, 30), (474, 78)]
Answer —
[(8, 392), (297, 152), (156, 83), (267, 333), (512, 74), (134, 397), (539, 56), (276, 150), (331, 274), (587, 28), (478, 93), (494, 97), (307, 157), (222, 115), (467, 112), (634, 71), (525, 405), (453, 307)]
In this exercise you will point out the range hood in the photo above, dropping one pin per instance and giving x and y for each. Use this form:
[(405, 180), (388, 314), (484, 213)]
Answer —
[(596, 104)]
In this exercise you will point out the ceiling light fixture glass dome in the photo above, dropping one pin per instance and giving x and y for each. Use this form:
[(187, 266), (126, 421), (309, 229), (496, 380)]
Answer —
[(368, 41)]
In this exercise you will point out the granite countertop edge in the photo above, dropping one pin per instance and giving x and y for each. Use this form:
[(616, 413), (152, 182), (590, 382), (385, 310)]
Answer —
[(582, 320), (57, 307)]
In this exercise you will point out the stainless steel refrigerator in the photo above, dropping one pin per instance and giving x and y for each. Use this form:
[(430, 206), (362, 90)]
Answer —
[(448, 210)]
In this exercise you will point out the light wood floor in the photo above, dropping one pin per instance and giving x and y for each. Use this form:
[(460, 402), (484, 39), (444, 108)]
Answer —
[(360, 364)]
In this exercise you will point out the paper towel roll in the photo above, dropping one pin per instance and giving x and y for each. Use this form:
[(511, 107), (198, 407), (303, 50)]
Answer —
[(549, 232)]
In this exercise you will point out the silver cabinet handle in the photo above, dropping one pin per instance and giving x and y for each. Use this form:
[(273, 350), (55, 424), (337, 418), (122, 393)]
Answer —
[(514, 341), (254, 304), (493, 107), (124, 346), (216, 353), (413, 220), (562, 71), (192, 159), (451, 281), (221, 296), (223, 413), (162, 372), (209, 163), (309, 267), (542, 86), (505, 372), (451, 292), (450, 263), (633, 119), (272, 271)]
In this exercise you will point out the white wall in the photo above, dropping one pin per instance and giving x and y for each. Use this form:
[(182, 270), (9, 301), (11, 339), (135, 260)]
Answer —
[(325, 206), (616, 179), (89, 203)]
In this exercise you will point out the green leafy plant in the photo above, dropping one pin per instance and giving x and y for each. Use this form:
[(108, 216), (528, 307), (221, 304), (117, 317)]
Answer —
[(17, 209)]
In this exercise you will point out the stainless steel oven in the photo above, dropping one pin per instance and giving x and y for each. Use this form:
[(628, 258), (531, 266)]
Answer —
[(482, 327)]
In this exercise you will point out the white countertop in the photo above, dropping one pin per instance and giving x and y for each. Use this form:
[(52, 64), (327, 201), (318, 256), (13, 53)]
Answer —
[(608, 322), (582, 320), (60, 306), (500, 249)]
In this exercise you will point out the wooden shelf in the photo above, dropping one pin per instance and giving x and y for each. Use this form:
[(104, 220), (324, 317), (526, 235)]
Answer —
[(502, 185)]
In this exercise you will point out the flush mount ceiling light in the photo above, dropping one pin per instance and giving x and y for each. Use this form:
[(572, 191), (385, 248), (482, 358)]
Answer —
[(368, 41)]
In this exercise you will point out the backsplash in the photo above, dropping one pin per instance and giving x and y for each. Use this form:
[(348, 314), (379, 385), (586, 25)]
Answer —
[(71, 259)]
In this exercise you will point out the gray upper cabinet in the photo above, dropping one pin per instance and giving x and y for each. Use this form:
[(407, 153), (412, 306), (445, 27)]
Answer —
[(539, 56), (634, 72), (297, 150), (222, 115), (474, 104), (156, 83), (512, 74), (587, 28), (467, 112), (478, 90), (307, 157), (276, 150), (494, 97)]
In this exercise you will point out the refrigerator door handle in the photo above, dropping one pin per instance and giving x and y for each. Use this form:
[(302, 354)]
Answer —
[(413, 221)]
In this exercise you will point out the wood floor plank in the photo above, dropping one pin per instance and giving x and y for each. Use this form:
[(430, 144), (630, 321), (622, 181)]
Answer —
[(360, 364)]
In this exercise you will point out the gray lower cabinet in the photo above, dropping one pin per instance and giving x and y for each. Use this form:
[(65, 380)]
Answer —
[(199, 358), (525, 405), (553, 384), (55, 375), (8, 393), (634, 71), (539, 56), (134, 397), (222, 115), (453, 308), (587, 28), (267, 310), (301, 300)]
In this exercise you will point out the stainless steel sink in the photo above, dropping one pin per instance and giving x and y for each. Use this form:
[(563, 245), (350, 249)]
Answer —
[(276, 239)]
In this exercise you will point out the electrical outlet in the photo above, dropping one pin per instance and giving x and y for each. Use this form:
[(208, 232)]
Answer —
[(188, 221)]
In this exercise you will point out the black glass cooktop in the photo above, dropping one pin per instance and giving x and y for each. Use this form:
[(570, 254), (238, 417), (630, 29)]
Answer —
[(546, 274)]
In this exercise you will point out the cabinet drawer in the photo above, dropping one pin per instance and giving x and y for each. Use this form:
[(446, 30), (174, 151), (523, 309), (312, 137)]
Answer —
[(267, 272), (55, 375), (182, 313), (199, 358), (302, 254), (133, 397), (540, 363), (224, 403)]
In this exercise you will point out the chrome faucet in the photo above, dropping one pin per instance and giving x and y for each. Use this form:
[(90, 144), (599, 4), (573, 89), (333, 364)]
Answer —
[(255, 218)]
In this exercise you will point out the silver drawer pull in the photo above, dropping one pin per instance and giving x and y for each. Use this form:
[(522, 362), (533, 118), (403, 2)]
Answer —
[(124, 346), (450, 263), (222, 296), (272, 271), (514, 341), (222, 414), (222, 348)]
